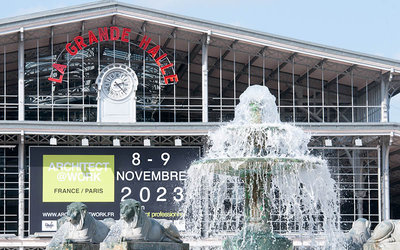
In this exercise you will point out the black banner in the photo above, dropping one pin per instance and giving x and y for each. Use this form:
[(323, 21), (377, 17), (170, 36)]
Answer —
[(101, 177)]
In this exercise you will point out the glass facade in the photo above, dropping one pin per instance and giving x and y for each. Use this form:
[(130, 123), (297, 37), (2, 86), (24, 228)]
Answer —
[(9, 83), (307, 89)]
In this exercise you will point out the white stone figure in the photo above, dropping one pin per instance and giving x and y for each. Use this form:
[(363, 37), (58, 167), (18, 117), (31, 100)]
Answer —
[(386, 236), (134, 225), (358, 234), (78, 226)]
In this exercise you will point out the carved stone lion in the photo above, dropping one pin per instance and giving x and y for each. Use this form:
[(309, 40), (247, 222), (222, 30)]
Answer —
[(79, 226), (134, 225), (85, 228), (358, 235), (386, 236)]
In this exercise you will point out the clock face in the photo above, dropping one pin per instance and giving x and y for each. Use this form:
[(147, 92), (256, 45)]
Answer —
[(117, 81)]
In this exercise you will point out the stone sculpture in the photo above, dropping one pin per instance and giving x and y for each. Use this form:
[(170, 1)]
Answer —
[(134, 226), (358, 234), (78, 226), (386, 236)]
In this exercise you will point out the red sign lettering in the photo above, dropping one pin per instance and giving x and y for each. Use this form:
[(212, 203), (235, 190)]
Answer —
[(103, 34), (92, 37), (114, 34), (153, 51), (60, 68), (145, 43), (171, 78), (125, 32), (165, 67), (79, 41), (71, 50), (160, 58)]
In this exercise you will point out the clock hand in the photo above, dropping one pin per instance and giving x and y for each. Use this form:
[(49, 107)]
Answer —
[(119, 86)]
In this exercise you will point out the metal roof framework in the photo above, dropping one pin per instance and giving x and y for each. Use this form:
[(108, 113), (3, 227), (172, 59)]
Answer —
[(100, 9), (40, 25)]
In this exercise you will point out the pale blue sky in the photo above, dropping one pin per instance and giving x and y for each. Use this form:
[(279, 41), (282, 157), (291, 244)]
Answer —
[(366, 26)]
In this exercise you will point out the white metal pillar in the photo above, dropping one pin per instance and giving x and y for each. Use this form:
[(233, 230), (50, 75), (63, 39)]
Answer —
[(358, 182), (21, 148), (21, 73), (204, 75), (21, 195), (384, 99), (386, 142)]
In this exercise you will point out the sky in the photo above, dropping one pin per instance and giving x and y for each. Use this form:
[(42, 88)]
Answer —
[(366, 26)]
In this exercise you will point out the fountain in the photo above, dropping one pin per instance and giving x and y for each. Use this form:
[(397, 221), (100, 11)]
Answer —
[(257, 178)]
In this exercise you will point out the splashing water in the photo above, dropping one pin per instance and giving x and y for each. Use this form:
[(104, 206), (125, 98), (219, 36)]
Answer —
[(257, 174)]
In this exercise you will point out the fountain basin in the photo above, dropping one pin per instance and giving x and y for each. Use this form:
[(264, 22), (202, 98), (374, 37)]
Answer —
[(257, 236), (137, 245)]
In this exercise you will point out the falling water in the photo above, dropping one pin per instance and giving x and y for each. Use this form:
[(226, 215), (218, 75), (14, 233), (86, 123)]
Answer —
[(258, 171)]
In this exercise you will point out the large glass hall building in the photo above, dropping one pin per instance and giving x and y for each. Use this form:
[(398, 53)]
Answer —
[(341, 97)]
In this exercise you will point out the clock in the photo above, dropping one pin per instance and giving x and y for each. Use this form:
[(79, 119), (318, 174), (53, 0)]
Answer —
[(117, 84), (117, 81)]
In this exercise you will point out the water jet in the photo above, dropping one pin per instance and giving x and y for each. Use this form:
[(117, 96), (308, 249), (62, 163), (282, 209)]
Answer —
[(258, 178)]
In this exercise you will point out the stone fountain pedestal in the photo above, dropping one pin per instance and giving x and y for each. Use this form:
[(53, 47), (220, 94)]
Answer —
[(135, 245), (256, 233), (382, 246), (257, 236), (125, 245), (77, 246)]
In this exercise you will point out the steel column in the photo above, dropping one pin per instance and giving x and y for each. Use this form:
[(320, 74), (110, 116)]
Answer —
[(379, 183), (359, 185), (384, 99), (21, 195), (204, 75), (21, 149), (386, 142), (21, 73)]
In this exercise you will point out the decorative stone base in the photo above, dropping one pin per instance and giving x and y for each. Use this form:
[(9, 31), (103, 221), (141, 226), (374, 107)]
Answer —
[(77, 246), (382, 246), (130, 245), (254, 238)]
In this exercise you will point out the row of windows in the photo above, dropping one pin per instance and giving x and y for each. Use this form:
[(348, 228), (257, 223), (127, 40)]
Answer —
[(305, 92)]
